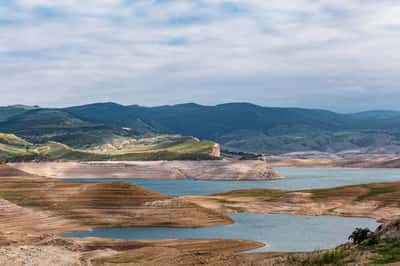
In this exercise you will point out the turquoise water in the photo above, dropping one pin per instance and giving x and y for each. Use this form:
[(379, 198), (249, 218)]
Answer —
[(279, 232), (297, 178)]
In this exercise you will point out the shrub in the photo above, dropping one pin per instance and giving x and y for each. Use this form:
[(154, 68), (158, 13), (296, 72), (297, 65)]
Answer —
[(363, 236), (337, 257)]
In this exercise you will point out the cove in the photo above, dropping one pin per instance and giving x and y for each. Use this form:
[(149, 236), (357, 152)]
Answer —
[(280, 232)]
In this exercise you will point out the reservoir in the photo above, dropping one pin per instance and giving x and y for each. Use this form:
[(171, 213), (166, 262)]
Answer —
[(279, 232), (297, 179)]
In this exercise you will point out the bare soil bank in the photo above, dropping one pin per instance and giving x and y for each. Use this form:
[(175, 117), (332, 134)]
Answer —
[(34, 210), (374, 162), (91, 251), (380, 201), (31, 206), (204, 170)]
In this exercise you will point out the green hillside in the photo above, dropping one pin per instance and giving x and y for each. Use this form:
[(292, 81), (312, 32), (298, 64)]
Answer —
[(10, 139), (43, 125), (236, 126), (112, 114), (9, 111), (378, 114), (252, 128), (13, 148)]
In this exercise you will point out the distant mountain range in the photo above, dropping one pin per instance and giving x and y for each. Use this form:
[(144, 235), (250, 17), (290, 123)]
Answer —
[(236, 126), (378, 114)]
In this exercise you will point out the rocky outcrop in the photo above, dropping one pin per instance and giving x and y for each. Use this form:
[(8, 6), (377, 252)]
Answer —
[(390, 230), (38, 255), (215, 151)]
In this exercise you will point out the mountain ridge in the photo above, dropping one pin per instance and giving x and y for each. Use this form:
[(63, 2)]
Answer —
[(238, 126)]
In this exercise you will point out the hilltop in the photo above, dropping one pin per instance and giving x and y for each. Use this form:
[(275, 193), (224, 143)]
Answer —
[(12, 110), (43, 125)]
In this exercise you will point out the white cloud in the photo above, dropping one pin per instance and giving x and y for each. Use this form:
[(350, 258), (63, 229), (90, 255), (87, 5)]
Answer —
[(275, 52)]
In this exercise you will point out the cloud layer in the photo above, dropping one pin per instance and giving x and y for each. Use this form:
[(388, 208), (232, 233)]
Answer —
[(341, 54)]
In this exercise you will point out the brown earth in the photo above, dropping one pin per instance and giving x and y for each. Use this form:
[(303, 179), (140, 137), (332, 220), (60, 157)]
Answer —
[(34, 210), (32, 206), (379, 201), (194, 252), (372, 162), (92, 251), (204, 170)]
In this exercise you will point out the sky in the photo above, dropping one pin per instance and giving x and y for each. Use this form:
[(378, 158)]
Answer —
[(341, 55)]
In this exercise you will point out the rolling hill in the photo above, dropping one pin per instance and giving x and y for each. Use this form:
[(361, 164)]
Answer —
[(252, 128), (236, 126), (14, 149), (43, 125), (9, 111), (378, 114)]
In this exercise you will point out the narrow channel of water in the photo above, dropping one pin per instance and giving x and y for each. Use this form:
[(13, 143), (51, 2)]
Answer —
[(297, 179), (280, 232)]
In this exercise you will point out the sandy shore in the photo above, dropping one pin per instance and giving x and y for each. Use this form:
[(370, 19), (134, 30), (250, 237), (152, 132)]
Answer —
[(201, 170)]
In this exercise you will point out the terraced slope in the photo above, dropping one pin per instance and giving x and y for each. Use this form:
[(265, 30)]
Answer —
[(380, 201), (36, 206), (35, 210)]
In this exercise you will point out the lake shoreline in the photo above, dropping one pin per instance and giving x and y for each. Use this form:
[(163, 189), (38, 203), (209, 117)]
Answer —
[(376, 200), (297, 178), (198, 170), (378, 162), (252, 226), (36, 209)]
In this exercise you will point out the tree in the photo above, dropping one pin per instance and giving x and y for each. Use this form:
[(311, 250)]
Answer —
[(363, 235)]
